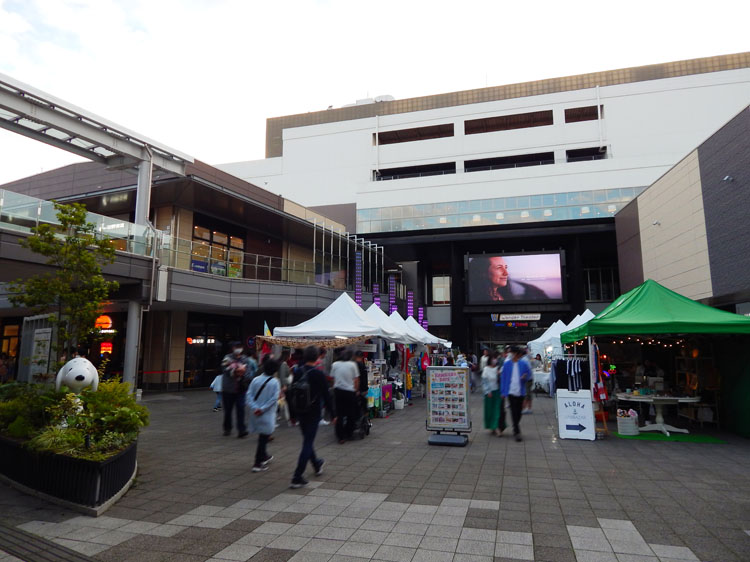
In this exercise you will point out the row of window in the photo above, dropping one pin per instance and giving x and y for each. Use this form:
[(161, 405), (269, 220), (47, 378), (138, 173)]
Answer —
[(488, 125), (486, 164), (506, 210), (521, 202)]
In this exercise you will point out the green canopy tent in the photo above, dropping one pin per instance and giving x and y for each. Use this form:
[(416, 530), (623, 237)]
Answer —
[(652, 309)]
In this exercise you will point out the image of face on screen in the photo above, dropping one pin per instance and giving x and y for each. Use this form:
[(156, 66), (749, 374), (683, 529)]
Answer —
[(499, 278)]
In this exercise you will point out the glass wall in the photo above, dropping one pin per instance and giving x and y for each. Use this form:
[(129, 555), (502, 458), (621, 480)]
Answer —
[(501, 210)]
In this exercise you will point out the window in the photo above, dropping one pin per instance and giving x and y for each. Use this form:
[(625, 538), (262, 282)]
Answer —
[(602, 283), (414, 171), (584, 154), (508, 122), (519, 161), (416, 134), (441, 290), (588, 113)]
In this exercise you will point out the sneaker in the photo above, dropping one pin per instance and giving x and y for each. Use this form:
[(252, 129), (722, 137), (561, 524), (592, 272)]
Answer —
[(260, 468), (324, 422), (518, 437), (268, 460), (243, 434), (319, 467), (216, 409), (298, 483)]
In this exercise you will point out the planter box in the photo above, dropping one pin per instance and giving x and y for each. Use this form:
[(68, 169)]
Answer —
[(84, 482)]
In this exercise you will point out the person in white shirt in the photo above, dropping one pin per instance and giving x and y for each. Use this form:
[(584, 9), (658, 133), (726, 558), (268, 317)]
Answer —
[(515, 372), (345, 376), (493, 402)]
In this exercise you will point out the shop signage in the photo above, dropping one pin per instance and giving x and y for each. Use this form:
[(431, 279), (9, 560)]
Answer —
[(447, 399), (515, 317), (367, 347), (575, 415), (40, 358), (198, 265), (103, 322)]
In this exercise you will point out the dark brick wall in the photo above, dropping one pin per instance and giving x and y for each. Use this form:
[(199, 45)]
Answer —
[(727, 205), (629, 255)]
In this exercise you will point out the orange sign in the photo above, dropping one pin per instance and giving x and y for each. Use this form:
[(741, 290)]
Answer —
[(104, 322), (106, 347), (189, 341)]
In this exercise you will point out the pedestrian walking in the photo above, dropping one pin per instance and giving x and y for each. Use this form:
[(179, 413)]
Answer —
[(216, 387), (492, 399), (345, 376), (307, 393), (262, 399), (238, 372), (515, 372)]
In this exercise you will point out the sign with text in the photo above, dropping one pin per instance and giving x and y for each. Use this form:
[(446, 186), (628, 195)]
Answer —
[(516, 317), (575, 415), (447, 398)]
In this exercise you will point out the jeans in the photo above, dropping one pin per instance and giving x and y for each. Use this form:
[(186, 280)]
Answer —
[(231, 401), (346, 409), (260, 453), (309, 428), (516, 405), (217, 404)]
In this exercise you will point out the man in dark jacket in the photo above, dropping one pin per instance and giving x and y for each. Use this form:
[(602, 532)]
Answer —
[(238, 371), (309, 421)]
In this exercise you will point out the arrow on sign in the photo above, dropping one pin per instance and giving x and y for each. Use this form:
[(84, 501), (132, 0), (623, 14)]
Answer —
[(578, 427)]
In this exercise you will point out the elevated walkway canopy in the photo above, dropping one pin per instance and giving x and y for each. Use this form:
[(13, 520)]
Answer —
[(43, 117)]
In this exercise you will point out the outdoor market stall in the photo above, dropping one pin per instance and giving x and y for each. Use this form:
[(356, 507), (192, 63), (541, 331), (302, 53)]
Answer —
[(654, 311)]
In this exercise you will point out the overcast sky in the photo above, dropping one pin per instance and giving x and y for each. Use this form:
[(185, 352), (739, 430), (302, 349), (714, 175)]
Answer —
[(202, 76)]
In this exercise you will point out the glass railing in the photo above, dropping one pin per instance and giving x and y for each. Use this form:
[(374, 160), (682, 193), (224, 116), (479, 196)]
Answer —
[(21, 213)]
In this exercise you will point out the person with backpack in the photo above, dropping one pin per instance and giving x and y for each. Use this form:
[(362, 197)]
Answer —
[(262, 399), (238, 372), (305, 395)]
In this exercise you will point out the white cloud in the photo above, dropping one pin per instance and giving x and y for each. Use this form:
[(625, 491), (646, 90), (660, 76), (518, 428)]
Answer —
[(202, 76)]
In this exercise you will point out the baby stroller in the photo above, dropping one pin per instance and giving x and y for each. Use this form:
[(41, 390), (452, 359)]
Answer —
[(363, 423)]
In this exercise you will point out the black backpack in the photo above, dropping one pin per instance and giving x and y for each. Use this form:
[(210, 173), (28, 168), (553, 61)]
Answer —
[(299, 394)]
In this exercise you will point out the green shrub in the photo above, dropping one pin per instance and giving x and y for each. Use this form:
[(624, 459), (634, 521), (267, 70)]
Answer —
[(20, 428), (92, 425)]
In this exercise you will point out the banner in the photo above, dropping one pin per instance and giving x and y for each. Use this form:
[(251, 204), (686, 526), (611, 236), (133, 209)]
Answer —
[(447, 398)]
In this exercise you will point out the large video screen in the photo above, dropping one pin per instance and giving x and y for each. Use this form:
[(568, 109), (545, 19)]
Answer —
[(498, 278)]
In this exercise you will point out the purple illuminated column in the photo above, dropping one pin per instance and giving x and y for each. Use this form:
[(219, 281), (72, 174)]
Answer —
[(420, 315), (376, 294), (410, 303), (358, 278), (391, 294)]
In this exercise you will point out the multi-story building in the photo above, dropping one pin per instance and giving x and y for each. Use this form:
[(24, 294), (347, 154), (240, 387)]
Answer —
[(524, 168)]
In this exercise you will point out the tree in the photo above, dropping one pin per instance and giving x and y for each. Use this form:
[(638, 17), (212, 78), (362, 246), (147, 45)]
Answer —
[(73, 292)]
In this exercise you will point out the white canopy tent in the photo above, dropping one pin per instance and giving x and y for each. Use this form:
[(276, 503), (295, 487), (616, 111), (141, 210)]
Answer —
[(398, 322), (377, 316), (414, 325), (580, 320), (551, 337), (342, 318)]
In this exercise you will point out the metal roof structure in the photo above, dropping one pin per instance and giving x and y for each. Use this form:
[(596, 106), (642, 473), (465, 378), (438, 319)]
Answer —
[(43, 117)]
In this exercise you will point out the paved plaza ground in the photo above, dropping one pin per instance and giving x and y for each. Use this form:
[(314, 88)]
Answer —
[(394, 498)]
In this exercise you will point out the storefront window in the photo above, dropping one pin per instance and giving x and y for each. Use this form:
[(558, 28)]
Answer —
[(206, 344), (441, 290)]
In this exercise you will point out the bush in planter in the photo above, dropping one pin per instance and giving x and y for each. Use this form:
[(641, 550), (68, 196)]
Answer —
[(92, 426)]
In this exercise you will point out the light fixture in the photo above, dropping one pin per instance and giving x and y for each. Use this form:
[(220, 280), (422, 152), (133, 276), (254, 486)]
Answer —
[(500, 216), (443, 220), (524, 214), (656, 223), (547, 212), (476, 218), (585, 210)]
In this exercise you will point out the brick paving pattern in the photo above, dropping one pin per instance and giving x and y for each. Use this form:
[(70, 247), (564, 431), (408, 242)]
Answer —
[(393, 498)]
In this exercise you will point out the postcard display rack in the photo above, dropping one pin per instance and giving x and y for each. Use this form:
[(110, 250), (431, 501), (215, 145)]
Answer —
[(448, 406)]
